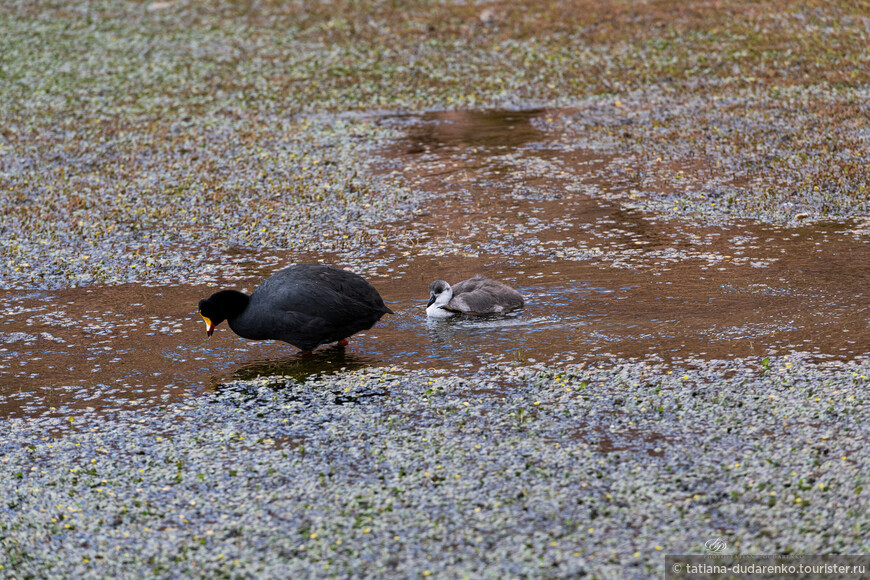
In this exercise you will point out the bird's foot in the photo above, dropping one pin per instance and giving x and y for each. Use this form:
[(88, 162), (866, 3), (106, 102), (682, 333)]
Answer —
[(343, 342)]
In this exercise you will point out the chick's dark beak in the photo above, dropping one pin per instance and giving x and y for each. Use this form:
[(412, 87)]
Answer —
[(431, 301)]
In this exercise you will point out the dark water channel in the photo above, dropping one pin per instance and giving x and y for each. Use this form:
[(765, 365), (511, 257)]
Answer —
[(509, 198)]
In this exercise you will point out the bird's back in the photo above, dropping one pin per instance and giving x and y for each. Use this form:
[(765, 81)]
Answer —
[(481, 295), (305, 287)]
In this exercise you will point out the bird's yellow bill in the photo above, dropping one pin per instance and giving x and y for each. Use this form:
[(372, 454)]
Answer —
[(209, 327)]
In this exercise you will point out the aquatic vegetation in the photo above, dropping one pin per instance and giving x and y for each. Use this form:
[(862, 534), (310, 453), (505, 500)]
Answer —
[(572, 470), (167, 143), (145, 127)]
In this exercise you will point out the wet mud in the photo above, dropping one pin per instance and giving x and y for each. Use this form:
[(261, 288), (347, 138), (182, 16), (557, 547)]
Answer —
[(508, 199)]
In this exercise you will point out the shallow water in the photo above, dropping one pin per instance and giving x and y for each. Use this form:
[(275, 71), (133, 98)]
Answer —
[(510, 199)]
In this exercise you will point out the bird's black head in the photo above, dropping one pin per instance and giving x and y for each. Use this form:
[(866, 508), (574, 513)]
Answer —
[(221, 306)]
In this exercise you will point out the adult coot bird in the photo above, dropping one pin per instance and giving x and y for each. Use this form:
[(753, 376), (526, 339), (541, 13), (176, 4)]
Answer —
[(477, 295), (305, 305)]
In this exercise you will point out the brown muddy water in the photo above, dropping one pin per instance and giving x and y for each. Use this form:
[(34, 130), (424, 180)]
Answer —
[(509, 198)]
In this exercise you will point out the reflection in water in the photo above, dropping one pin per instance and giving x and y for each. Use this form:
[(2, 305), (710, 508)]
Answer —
[(486, 332), (491, 131), (325, 361)]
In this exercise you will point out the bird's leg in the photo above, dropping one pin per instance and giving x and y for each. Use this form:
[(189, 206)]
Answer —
[(343, 342), (304, 353)]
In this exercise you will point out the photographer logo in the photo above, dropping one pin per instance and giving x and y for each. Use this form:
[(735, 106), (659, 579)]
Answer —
[(715, 545)]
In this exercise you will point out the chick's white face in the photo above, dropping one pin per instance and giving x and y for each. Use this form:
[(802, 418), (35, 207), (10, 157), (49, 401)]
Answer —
[(440, 295)]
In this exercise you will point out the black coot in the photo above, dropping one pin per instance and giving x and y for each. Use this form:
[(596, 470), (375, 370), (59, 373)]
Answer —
[(305, 305)]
